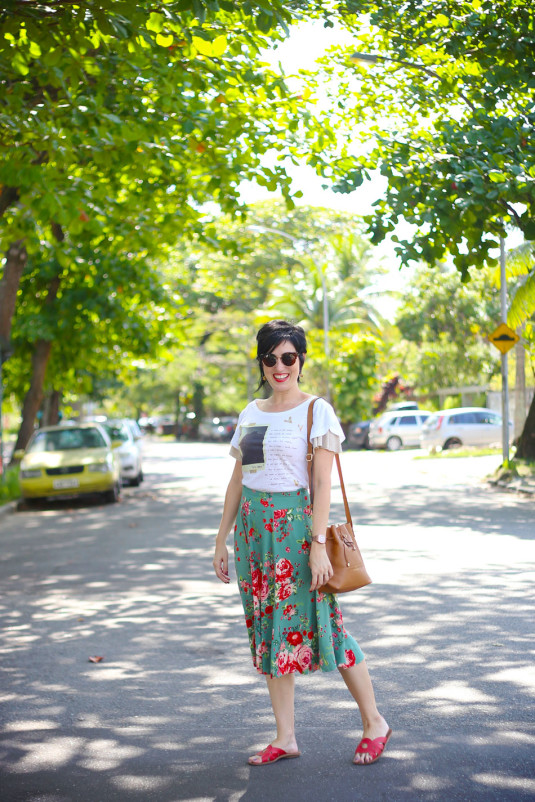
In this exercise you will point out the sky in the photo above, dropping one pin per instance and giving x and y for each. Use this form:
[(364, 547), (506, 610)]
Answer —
[(306, 44)]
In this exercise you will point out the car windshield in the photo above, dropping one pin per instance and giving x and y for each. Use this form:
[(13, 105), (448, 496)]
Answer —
[(117, 431), (66, 440)]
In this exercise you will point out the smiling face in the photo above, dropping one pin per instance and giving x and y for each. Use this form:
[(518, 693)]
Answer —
[(282, 377)]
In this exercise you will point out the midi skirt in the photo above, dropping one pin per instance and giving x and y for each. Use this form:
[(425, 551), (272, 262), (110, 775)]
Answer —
[(291, 628)]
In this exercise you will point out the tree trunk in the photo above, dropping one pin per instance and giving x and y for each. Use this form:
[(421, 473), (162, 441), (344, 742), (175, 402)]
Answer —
[(16, 258), (178, 423), (51, 408), (526, 441), (34, 396), (198, 406)]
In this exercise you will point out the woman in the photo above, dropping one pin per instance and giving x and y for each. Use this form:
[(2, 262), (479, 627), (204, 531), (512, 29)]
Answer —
[(280, 559)]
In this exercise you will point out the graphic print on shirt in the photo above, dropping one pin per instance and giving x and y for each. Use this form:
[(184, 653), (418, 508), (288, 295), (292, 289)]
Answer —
[(252, 447)]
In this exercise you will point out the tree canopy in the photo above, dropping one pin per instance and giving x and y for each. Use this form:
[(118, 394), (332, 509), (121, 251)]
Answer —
[(122, 125), (444, 108)]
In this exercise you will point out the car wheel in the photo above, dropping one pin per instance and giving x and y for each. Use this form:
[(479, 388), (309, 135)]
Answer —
[(453, 442), (136, 481), (393, 444), (112, 496)]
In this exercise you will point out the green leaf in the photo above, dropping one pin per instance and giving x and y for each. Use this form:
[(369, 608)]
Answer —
[(155, 22), (164, 41)]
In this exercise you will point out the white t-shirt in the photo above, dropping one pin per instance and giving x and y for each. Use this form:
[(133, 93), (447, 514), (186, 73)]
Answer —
[(273, 445)]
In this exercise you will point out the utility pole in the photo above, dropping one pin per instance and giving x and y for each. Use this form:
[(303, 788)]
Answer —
[(505, 381)]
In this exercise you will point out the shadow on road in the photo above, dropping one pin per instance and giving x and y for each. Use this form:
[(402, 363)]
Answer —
[(175, 707)]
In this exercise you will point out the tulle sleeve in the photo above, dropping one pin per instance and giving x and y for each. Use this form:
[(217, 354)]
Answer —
[(326, 430)]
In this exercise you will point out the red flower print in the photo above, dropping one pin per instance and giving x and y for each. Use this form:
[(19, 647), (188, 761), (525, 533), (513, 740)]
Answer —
[(288, 549), (284, 569), (279, 514), (264, 503), (284, 591), (268, 528), (307, 510), (269, 609), (284, 662), (350, 659), (256, 578), (248, 623), (294, 638), (302, 657), (289, 610), (310, 635)]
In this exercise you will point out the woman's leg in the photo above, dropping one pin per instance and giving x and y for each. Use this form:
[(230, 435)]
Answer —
[(281, 692), (360, 687)]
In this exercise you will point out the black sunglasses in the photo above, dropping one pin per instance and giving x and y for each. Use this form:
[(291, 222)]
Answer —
[(288, 359)]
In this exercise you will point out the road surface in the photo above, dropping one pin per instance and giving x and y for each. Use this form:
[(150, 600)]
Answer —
[(174, 708)]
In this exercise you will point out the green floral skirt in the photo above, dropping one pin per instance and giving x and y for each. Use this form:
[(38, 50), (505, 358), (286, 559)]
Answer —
[(291, 628)]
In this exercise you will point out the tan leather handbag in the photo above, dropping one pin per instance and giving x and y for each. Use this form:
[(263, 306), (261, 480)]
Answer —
[(342, 550)]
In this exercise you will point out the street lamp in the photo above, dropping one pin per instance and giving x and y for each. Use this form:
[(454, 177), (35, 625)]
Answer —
[(304, 244)]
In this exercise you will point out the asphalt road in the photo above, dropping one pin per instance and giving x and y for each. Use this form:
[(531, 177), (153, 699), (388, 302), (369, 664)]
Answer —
[(175, 707)]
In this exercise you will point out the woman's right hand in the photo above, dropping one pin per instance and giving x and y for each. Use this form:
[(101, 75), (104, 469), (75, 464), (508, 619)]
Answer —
[(221, 563), (320, 566)]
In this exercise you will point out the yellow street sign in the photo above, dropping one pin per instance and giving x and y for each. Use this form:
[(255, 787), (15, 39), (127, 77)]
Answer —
[(504, 338)]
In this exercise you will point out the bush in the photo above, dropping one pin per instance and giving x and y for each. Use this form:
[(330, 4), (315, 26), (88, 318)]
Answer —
[(9, 485)]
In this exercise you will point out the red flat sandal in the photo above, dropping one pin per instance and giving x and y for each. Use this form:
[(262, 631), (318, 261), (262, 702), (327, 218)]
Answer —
[(374, 747), (270, 755)]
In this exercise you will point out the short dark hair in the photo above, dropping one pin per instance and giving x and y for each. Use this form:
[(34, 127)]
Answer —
[(277, 331)]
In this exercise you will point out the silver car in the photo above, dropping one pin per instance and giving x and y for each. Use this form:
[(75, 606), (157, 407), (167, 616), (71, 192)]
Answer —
[(398, 429), (462, 426)]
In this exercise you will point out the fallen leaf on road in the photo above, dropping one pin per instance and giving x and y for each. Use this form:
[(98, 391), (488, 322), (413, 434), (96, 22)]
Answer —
[(96, 659)]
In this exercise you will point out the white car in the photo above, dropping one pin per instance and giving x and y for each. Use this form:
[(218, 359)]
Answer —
[(128, 450), (462, 426), (397, 429)]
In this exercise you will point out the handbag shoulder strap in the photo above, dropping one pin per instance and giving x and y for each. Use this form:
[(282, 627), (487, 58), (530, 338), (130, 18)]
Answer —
[(310, 458)]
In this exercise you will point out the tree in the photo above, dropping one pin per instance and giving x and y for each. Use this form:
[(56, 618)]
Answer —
[(448, 324), (446, 114), (265, 268), (72, 325), (520, 269), (120, 120)]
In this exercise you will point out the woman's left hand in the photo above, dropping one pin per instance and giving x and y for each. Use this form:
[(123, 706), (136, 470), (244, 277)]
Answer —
[(320, 566)]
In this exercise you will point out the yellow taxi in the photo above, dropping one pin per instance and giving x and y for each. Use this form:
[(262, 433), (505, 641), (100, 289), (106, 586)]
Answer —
[(69, 460)]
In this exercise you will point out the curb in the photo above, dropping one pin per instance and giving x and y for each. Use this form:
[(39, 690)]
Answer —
[(6, 509), (515, 486)]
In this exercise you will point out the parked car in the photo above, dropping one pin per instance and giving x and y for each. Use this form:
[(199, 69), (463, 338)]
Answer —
[(358, 434), (134, 427), (220, 429), (394, 430), (69, 460), (401, 405), (165, 424), (462, 426), (128, 449)]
